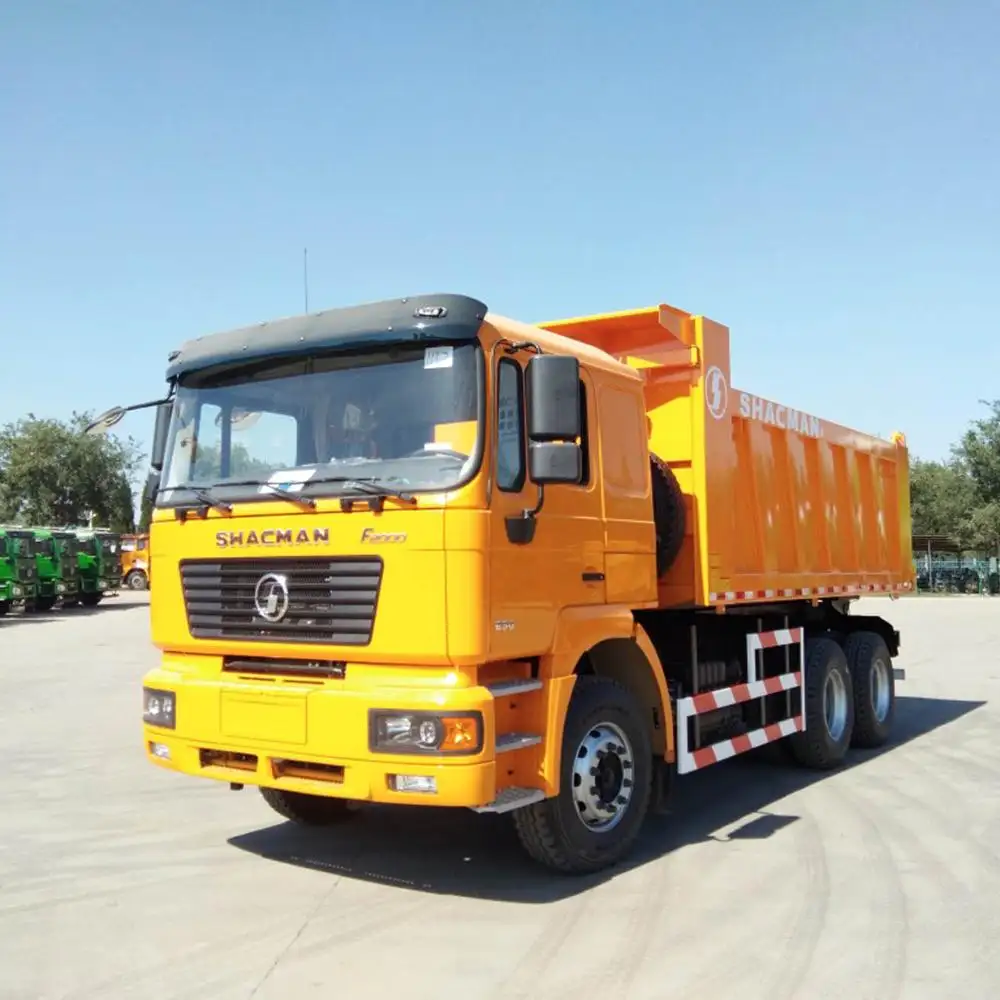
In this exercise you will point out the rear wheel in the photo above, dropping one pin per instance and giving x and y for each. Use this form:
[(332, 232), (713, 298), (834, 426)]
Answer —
[(308, 810), (829, 704), (605, 784), (874, 688)]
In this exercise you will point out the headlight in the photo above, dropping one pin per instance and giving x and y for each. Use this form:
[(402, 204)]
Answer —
[(159, 708), (18, 592), (445, 733), (102, 584)]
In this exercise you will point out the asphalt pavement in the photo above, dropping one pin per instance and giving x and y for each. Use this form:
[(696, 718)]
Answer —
[(881, 880)]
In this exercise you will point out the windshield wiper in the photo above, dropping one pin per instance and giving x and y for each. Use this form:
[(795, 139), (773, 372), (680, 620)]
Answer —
[(205, 497), (369, 485), (276, 490)]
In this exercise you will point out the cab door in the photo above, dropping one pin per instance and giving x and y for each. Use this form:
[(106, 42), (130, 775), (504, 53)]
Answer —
[(532, 579)]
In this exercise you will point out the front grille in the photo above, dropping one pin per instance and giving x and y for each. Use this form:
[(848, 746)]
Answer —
[(26, 569), (329, 601)]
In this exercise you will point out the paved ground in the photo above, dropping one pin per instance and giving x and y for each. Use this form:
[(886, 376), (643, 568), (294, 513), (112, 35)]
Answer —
[(117, 880)]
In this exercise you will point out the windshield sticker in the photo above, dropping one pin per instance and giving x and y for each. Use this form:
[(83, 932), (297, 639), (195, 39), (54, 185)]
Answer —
[(288, 480), (439, 357)]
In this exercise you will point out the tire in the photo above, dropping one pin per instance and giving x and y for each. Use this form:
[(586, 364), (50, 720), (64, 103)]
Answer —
[(669, 514), (90, 598), (874, 688), (4, 607), (826, 671), (46, 603), (136, 580), (553, 831), (308, 810)]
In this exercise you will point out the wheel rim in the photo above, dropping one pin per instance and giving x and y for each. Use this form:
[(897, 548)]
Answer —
[(881, 691), (603, 777), (835, 705)]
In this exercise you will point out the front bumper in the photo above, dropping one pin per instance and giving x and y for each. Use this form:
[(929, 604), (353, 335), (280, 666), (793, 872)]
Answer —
[(313, 736)]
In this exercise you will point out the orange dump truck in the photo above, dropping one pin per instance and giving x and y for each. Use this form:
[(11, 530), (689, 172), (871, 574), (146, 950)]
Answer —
[(135, 561), (415, 552)]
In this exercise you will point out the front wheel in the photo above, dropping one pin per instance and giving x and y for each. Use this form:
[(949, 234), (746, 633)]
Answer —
[(605, 784), (308, 810), (136, 580), (90, 598)]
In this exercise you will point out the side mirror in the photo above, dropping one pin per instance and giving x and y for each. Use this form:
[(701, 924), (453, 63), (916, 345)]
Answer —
[(160, 428), (553, 398), (152, 486), (105, 421), (554, 419)]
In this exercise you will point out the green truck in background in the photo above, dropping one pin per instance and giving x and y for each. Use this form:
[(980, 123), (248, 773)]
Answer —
[(99, 561), (49, 586), (58, 567), (67, 551), (18, 571)]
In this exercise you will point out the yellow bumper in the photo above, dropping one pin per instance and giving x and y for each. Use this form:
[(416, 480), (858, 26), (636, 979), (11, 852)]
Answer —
[(313, 736)]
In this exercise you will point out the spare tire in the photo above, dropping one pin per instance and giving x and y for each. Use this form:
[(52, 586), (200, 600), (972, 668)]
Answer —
[(669, 514)]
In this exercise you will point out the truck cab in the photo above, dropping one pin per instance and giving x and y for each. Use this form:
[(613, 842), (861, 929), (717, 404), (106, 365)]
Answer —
[(12, 587), (19, 568), (99, 564), (135, 561), (50, 584)]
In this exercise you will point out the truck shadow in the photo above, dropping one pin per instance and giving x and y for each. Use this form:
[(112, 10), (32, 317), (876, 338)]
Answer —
[(457, 852), (15, 618)]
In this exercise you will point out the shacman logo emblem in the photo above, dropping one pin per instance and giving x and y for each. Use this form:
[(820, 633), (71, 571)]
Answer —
[(270, 597), (716, 392)]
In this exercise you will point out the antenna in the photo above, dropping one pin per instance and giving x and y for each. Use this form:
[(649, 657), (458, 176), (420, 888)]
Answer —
[(305, 276)]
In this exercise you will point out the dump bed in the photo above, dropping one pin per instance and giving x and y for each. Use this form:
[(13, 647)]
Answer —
[(781, 503)]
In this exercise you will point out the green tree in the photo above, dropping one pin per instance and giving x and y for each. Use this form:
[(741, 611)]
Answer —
[(942, 499), (978, 455), (51, 473)]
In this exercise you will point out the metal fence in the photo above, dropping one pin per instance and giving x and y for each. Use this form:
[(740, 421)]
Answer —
[(943, 568)]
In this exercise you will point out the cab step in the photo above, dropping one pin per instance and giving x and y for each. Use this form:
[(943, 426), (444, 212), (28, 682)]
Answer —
[(516, 685), (516, 741), (510, 799)]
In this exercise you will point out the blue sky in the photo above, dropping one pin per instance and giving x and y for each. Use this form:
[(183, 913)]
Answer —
[(821, 177)]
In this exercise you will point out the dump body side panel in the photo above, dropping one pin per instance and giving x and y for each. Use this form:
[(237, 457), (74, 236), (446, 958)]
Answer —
[(781, 504)]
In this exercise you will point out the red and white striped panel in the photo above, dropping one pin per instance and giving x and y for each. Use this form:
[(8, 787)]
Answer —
[(737, 596), (771, 640), (739, 744), (710, 701)]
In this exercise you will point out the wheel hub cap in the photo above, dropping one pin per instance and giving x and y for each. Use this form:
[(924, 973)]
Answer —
[(835, 705), (880, 692), (603, 777)]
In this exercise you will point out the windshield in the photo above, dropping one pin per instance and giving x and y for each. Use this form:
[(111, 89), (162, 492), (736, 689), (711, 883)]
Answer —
[(44, 546), (23, 544), (408, 417)]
